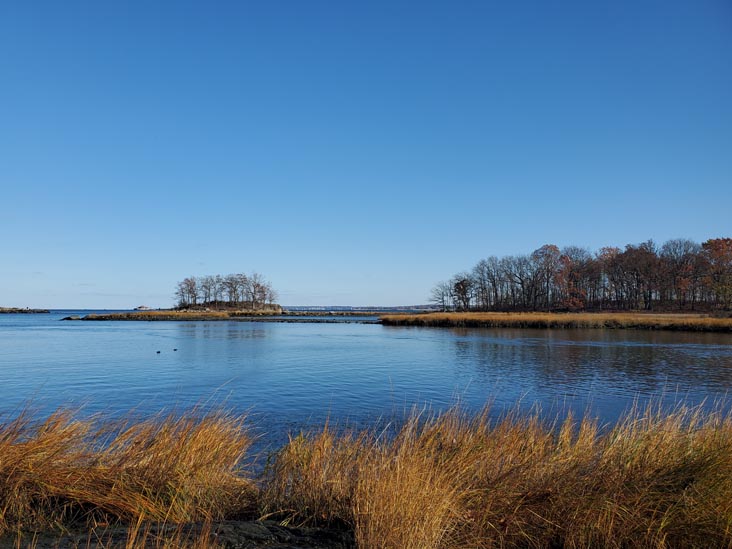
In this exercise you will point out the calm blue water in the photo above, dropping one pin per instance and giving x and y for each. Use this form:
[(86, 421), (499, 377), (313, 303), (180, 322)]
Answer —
[(292, 376)]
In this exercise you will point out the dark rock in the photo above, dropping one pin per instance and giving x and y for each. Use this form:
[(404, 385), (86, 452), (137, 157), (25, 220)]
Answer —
[(255, 535), (227, 534)]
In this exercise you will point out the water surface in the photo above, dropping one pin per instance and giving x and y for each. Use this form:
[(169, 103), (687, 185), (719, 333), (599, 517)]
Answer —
[(291, 376)]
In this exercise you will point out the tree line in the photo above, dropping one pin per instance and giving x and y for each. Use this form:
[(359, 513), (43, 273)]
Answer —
[(230, 291), (679, 275)]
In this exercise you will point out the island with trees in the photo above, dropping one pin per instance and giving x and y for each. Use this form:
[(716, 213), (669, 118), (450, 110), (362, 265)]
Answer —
[(213, 297), (236, 291)]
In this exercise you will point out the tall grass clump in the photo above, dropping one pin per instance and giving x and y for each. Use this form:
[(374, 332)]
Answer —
[(311, 480), (455, 480), (66, 471), (656, 478), (407, 494)]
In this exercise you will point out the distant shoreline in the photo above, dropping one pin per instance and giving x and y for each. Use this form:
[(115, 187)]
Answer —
[(615, 321), (18, 310), (264, 315)]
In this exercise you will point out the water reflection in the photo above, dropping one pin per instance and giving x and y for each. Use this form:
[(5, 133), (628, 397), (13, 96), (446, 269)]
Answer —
[(292, 376), (606, 371), (221, 330)]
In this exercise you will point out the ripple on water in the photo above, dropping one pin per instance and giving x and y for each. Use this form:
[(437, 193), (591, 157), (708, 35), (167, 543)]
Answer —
[(292, 375)]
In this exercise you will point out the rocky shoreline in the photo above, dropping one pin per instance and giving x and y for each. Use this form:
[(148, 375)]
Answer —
[(240, 316), (18, 310)]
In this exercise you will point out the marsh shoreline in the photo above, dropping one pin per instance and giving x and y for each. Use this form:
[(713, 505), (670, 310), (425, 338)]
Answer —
[(234, 315), (686, 322), (439, 480)]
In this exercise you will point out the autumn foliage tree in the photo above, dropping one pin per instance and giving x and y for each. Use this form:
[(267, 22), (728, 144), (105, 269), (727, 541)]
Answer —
[(679, 275), (718, 253)]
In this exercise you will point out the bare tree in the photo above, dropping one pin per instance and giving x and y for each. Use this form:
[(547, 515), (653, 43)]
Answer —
[(251, 291), (257, 289), (271, 294), (207, 286), (187, 291), (441, 295), (218, 290), (462, 291), (681, 274), (231, 288)]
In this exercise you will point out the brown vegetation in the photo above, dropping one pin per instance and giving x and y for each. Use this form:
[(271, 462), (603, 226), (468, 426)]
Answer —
[(457, 481), (680, 275), (185, 314), (65, 471), (449, 481), (637, 321)]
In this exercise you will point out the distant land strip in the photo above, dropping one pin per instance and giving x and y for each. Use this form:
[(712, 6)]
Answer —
[(264, 315), (620, 321), (18, 310), (629, 321)]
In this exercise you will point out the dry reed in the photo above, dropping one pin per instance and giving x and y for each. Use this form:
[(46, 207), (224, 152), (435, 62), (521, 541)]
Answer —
[(637, 321), (311, 479), (454, 481), (65, 471)]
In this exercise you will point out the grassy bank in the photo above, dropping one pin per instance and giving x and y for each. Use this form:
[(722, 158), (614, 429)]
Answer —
[(66, 472), (452, 481), (181, 315), (633, 321), (260, 314)]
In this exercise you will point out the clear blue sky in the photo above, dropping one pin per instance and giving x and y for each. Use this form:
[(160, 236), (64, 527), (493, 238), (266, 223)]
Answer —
[(352, 152)]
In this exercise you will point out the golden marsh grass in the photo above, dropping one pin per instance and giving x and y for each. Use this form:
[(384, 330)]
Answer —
[(459, 481), (638, 321), (170, 469), (455, 480)]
